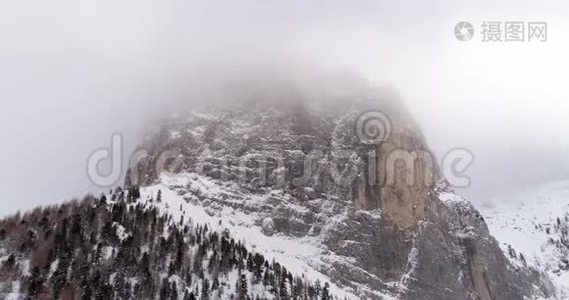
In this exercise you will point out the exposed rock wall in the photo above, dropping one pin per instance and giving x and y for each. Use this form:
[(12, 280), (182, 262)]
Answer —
[(394, 226)]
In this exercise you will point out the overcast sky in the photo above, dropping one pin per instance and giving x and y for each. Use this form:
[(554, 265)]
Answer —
[(74, 72)]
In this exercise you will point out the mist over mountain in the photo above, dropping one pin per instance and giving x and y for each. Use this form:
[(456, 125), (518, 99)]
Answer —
[(315, 186), (72, 71), (327, 149)]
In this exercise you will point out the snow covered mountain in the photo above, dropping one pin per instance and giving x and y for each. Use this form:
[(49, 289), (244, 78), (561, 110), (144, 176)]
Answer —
[(376, 219), (532, 228), (324, 195)]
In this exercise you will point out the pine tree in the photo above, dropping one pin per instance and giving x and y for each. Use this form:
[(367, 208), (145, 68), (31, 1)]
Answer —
[(318, 287), (215, 284), (205, 289), (59, 277), (250, 264), (311, 291), (283, 288), (266, 278), (159, 196), (325, 292), (11, 261), (523, 259), (174, 292), (242, 287), (86, 292), (297, 289), (165, 290), (134, 193), (511, 252), (35, 284), (126, 291)]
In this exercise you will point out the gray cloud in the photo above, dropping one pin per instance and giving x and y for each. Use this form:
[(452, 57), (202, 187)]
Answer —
[(73, 73)]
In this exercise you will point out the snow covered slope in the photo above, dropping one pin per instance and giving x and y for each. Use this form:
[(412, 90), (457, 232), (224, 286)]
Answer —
[(304, 255), (531, 226), (122, 246)]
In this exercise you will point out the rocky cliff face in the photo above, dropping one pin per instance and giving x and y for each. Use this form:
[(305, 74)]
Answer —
[(366, 192)]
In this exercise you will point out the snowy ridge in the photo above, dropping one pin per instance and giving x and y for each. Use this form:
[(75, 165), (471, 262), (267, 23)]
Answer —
[(125, 218)]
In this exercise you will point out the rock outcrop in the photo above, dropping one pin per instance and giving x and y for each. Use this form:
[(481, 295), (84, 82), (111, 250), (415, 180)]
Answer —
[(385, 217)]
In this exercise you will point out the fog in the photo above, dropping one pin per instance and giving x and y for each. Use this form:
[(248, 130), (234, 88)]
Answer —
[(74, 72)]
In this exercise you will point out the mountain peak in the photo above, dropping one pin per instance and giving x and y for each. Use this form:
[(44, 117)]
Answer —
[(354, 176)]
